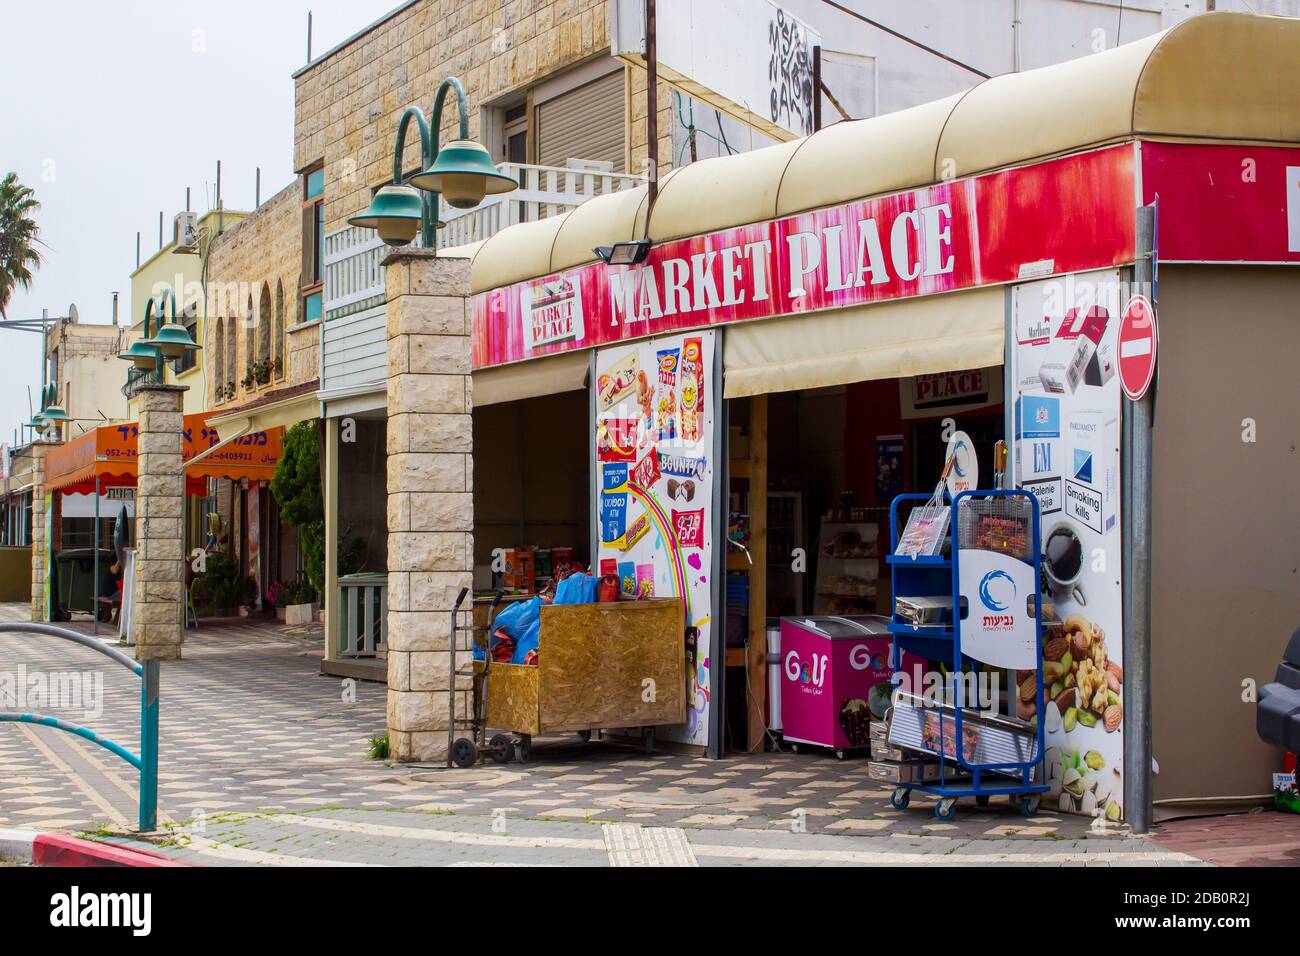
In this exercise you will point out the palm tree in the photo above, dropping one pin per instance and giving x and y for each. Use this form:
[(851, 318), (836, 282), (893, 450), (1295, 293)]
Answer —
[(18, 237)]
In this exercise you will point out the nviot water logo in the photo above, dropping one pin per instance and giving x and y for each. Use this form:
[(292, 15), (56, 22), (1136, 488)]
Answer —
[(997, 590)]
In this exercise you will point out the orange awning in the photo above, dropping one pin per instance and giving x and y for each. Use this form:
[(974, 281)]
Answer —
[(109, 453)]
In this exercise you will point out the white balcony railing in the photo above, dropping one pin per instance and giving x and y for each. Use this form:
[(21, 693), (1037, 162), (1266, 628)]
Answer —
[(354, 280), (543, 191)]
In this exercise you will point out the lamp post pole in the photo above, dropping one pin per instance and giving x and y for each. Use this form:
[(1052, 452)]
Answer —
[(429, 146)]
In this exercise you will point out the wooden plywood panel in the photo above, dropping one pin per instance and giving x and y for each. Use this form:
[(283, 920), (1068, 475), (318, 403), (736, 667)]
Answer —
[(595, 659), (513, 698)]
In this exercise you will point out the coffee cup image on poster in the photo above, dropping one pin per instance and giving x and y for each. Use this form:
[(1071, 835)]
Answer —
[(1067, 410), (654, 432)]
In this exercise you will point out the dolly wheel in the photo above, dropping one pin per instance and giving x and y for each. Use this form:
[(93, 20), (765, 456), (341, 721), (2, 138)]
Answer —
[(464, 753), (982, 799), (502, 748), (839, 755), (1030, 806), (523, 747), (900, 798), (584, 736), (946, 808)]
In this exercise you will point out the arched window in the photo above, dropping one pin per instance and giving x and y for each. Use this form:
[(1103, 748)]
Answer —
[(250, 340), (264, 321), (278, 338), (219, 360)]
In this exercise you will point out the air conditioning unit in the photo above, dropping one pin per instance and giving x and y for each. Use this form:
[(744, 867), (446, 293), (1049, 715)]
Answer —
[(185, 232)]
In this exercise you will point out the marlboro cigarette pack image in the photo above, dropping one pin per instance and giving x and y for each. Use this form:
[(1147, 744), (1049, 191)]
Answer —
[(1073, 349)]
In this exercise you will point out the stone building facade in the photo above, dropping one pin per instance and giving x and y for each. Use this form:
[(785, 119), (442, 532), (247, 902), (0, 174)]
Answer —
[(349, 101), (255, 306)]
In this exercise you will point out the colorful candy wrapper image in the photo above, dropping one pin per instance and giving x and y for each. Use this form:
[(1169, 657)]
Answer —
[(619, 380), (669, 365), (666, 415), (627, 578), (645, 581), (692, 403), (645, 398)]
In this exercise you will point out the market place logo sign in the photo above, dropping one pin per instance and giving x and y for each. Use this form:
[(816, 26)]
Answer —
[(954, 235)]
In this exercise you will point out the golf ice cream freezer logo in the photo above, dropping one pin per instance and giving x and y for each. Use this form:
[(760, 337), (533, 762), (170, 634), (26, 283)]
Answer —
[(809, 674)]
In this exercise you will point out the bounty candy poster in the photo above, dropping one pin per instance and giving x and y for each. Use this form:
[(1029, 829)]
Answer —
[(654, 445), (1067, 452)]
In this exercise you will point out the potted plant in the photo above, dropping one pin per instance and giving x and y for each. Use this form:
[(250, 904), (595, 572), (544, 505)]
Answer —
[(278, 594), (217, 589), (300, 602), (248, 597)]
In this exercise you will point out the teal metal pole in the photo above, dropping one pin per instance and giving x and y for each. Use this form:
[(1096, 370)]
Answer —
[(148, 821)]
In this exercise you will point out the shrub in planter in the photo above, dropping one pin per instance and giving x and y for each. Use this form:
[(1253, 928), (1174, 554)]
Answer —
[(219, 587)]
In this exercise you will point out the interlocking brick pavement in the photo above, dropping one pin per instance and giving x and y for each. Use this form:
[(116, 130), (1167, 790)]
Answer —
[(262, 760)]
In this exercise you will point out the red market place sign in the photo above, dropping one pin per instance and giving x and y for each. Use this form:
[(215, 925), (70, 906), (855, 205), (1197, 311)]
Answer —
[(1139, 339), (1067, 215)]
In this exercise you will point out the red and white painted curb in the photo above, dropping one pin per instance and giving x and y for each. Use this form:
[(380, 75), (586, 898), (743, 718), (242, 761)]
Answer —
[(56, 849)]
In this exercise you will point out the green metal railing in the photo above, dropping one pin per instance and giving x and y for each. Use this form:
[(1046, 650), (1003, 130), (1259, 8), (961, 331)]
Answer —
[(146, 762)]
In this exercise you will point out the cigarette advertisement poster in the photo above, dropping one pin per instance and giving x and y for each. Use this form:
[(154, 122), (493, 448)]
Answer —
[(1067, 452), (654, 446)]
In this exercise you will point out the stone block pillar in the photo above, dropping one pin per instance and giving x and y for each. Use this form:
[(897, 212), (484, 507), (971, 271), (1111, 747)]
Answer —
[(430, 493), (159, 526), (40, 541)]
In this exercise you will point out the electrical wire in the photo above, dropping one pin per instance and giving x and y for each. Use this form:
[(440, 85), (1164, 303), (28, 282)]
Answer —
[(906, 39)]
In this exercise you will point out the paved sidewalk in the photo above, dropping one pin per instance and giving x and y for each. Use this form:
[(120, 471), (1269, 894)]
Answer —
[(263, 759), (350, 837)]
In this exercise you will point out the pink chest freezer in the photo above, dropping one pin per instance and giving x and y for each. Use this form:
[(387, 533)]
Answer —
[(835, 679)]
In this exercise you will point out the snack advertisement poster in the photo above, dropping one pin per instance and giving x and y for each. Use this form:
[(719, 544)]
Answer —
[(1067, 412), (654, 449)]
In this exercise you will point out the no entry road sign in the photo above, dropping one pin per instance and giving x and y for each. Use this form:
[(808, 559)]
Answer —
[(1139, 338)]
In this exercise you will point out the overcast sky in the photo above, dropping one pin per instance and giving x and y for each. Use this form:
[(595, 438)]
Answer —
[(110, 109)]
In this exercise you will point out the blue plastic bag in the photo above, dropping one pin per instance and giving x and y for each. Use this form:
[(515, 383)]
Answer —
[(526, 648), (577, 589), (517, 619)]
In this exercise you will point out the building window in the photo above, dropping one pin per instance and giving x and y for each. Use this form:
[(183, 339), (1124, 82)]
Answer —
[(232, 352), (313, 244), (191, 319), (219, 359), (264, 321), (277, 339), (311, 307)]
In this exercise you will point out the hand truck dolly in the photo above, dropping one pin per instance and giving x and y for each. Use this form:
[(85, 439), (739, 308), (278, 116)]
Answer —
[(465, 636)]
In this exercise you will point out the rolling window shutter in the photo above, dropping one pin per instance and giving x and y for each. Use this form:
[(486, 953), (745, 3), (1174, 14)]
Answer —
[(586, 123)]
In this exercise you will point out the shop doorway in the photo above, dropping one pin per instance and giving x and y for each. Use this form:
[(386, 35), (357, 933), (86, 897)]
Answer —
[(812, 474), (532, 510)]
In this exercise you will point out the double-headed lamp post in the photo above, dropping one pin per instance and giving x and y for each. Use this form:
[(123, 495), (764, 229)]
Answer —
[(170, 340), (462, 172)]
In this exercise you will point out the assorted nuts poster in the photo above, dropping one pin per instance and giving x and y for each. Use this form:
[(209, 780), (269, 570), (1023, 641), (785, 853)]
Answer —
[(1067, 404), (654, 444)]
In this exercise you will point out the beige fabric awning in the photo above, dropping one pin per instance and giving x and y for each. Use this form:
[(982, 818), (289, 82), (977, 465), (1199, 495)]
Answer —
[(536, 377), (940, 333), (1219, 76)]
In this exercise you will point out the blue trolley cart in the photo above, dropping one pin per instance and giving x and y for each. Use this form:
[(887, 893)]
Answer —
[(995, 617)]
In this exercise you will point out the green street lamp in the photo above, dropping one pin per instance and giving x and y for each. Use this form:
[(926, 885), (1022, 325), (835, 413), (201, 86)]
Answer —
[(169, 342), (462, 171)]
